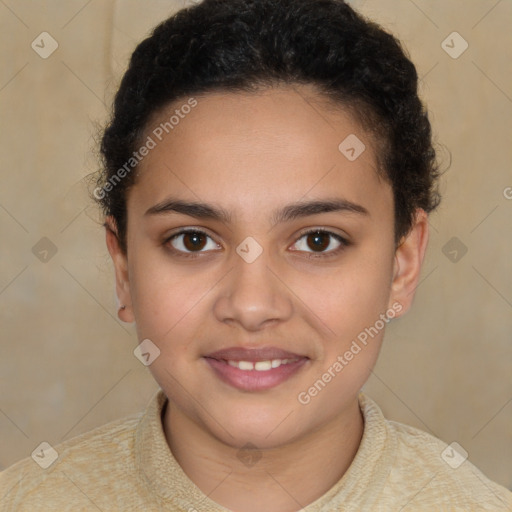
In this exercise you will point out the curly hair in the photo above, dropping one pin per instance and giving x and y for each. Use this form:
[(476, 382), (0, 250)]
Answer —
[(249, 45)]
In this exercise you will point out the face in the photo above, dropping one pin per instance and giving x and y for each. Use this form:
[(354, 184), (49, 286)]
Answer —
[(273, 302)]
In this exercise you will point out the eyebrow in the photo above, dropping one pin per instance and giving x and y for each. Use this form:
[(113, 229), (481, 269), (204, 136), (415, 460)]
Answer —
[(288, 213)]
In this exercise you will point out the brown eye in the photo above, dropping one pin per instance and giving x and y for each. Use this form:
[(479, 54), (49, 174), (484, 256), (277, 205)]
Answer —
[(191, 241), (318, 241)]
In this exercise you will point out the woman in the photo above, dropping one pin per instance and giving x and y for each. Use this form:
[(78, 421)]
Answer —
[(268, 175)]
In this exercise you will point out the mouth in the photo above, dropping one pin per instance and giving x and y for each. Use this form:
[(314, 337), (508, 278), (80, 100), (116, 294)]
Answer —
[(255, 369)]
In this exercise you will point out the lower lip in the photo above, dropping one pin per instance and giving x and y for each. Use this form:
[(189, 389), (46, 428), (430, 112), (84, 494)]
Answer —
[(254, 380)]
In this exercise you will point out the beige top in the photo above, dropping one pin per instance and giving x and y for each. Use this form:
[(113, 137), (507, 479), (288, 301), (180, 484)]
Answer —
[(127, 465)]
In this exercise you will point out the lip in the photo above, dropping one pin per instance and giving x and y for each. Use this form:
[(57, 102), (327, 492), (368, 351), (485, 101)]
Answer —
[(252, 354), (254, 380)]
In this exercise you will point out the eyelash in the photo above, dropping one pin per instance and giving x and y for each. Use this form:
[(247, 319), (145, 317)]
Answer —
[(343, 241)]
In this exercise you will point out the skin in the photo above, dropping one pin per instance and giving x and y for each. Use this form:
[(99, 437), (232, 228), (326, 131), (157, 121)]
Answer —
[(251, 154)]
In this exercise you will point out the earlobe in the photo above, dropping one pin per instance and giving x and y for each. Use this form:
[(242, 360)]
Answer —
[(120, 260), (408, 261)]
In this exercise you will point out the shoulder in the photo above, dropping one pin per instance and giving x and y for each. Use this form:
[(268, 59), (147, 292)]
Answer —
[(432, 473), (60, 472)]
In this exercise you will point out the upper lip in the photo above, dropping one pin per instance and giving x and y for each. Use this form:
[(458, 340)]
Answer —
[(253, 354)]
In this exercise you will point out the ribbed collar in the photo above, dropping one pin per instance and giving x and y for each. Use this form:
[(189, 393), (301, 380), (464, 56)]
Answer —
[(356, 490)]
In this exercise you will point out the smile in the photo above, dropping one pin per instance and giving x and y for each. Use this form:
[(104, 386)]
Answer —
[(260, 366), (254, 369)]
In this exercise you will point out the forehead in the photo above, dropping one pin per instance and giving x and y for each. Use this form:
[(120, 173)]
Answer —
[(267, 148)]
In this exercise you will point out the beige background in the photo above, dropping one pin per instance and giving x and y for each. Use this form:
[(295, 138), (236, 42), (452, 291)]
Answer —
[(67, 363)]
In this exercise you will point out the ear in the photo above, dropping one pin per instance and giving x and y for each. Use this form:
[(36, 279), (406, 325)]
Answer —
[(408, 261), (120, 260)]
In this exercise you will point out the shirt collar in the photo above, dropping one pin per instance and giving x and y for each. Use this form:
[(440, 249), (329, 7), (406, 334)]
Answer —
[(360, 485)]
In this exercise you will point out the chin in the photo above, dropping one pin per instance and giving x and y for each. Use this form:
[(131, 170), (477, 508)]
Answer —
[(261, 432)]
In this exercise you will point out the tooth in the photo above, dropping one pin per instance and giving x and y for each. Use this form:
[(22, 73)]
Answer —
[(245, 365), (263, 366)]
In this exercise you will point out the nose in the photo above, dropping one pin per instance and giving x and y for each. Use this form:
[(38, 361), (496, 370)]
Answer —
[(252, 296)]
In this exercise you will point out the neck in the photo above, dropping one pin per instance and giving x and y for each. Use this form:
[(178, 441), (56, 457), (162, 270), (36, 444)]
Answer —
[(281, 479)]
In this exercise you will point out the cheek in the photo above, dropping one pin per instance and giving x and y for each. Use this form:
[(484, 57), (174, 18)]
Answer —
[(350, 302), (168, 308), (350, 297), (163, 295)]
